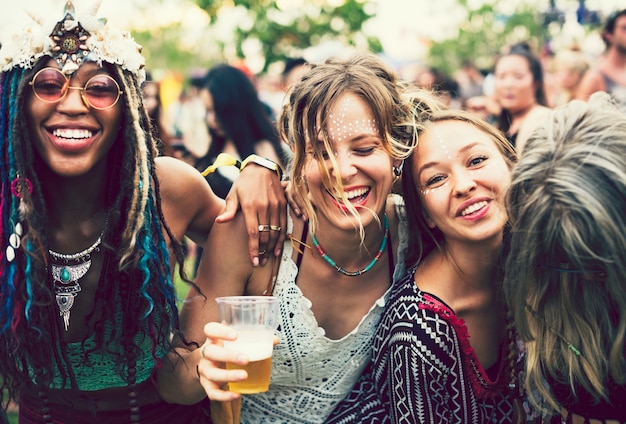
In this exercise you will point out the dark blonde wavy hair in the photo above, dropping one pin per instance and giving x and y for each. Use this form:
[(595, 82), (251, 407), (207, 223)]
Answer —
[(395, 104), (566, 274)]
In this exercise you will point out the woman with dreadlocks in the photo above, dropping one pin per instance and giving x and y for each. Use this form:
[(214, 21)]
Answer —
[(92, 223)]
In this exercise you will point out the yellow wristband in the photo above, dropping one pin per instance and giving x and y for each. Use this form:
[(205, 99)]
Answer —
[(266, 163), (223, 159)]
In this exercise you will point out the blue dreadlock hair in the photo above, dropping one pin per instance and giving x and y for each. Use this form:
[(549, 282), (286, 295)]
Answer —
[(141, 302)]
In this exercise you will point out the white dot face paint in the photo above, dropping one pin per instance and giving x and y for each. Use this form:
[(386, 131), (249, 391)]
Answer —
[(343, 126), (358, 174), (461, 176), (445, 151)]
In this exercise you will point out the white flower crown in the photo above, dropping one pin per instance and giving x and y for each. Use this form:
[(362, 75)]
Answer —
[(74, 40)]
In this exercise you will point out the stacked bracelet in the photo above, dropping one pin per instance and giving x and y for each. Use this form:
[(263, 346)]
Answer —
[(224, 159)]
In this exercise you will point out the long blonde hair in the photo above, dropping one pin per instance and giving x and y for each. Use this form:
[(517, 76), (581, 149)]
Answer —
[(566, 273)]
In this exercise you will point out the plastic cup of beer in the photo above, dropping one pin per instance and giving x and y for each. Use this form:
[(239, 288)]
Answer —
[(254, 318)]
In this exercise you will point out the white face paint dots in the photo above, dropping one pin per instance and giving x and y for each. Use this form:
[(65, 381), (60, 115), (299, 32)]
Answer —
[(342, 128)]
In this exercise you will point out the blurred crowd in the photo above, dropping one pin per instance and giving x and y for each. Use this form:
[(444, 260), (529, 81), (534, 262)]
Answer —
[(228, 108), (524, 82)]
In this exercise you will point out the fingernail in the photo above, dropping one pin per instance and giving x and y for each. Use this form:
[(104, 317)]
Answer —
[(278, 252), (255, 261)]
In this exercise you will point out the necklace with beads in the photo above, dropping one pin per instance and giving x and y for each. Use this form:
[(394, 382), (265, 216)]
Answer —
[(67, 270), (369, 266)]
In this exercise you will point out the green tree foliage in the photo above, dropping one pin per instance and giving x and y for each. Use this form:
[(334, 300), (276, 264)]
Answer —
[(282, 33), (484, 33), (162, 49)]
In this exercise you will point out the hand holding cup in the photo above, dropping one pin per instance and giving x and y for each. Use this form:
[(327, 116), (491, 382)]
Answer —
[(254, 318)]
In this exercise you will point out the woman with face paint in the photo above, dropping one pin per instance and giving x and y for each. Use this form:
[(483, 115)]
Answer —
[(450, 304), (92, 223), (350, 123), (446, 350)]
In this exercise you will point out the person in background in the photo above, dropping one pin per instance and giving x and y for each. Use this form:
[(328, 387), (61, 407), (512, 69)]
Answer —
[(610, 73), (565, 276), (187, 124), (445, 87), (519, 89), (92, 222), (151, 98), (520, 97), (470, 81), (569, 67), (238, 123), (350, 124), (293, 71)]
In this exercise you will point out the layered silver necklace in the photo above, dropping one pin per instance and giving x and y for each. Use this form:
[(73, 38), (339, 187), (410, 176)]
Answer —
[(66, 271)]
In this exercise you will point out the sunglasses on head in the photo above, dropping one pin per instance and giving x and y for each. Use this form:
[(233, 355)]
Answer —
[(100, 92)]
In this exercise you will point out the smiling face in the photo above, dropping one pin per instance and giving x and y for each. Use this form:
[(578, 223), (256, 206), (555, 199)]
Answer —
[(461, 176), (70, 136), (515, 86), (361, 165)]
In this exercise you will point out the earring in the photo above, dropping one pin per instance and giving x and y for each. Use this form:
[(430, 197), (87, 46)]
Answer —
[(397, 170), (15, 237)]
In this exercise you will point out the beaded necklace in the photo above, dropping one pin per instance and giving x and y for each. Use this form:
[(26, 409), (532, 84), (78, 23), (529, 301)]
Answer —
[(369, 266)]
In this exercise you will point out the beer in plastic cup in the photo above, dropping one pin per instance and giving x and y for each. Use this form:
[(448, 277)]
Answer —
[(254, 318)]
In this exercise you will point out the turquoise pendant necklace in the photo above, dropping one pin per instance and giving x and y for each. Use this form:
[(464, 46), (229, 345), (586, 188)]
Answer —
[(369, 266), (66, 272)]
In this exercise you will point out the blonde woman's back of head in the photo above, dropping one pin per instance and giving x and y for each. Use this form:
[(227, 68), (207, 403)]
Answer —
[(566, 271)]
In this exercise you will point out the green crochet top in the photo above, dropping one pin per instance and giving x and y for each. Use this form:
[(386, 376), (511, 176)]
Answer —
[(98, 370)]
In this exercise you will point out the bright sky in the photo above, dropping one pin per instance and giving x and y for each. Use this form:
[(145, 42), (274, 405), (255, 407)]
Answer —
[(397, 20)]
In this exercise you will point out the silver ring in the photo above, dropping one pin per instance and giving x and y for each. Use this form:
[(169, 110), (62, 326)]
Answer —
[(203, 354), (262, 252), (275, 227), (264, 228)]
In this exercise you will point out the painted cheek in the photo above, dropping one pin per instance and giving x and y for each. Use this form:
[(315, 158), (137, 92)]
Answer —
[(434, 191)]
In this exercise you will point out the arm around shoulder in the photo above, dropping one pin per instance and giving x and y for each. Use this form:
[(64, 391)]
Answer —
[(224, 271), (189, 205)]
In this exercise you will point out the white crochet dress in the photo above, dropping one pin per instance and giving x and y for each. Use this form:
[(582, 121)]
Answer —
[(310, 372)]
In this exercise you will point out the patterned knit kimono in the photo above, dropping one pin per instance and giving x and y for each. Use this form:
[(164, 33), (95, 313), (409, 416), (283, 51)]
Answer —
[(424, 370)]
